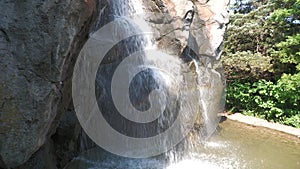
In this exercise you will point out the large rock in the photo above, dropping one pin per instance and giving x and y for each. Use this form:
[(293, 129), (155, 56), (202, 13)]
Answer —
[(208, 28), (194, 30), (197, 25), (39, 43)]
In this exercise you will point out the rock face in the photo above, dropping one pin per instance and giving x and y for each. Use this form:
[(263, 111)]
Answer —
[(209, 27), (198, 25), (39, 43), (193, 30)]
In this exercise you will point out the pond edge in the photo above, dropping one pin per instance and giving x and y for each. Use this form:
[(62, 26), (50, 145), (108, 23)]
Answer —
[(257, 122)]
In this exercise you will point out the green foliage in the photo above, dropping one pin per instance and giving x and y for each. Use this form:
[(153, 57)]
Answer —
[(251, 32), (247, 66), (262, 60), (278, 102), (289, 50), (267, 29), (245, 6), (286, 9)]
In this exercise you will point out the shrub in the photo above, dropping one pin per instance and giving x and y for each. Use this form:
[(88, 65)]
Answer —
[(278, 102)]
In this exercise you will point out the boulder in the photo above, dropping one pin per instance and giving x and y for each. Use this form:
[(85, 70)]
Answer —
[(39, 43)]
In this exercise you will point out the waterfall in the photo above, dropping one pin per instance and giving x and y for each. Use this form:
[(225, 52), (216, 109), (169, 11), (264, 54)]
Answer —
[(154, 75), (211, 90), (149, 100)]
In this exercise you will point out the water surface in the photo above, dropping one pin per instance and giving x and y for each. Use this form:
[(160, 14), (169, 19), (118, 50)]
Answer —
[(233, 146)]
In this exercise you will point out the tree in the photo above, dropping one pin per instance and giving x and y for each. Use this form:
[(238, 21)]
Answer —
[(264, 36), (246, 6)]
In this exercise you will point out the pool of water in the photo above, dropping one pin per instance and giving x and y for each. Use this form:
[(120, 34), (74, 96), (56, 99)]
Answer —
[(233, 146)]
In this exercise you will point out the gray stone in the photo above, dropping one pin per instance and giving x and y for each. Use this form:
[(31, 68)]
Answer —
[(44, 158), (203, 34), (39, 43)]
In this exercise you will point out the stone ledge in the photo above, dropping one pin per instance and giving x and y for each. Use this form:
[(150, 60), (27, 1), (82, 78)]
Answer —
[(253, 121)]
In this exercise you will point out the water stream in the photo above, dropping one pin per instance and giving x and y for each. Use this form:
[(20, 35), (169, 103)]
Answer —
[(178, 93)]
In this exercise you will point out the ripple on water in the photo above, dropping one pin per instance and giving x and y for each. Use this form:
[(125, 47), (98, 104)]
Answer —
[(193, 164)]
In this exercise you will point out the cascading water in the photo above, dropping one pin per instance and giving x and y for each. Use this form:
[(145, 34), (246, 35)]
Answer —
[(156, 81), (153, 93)]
